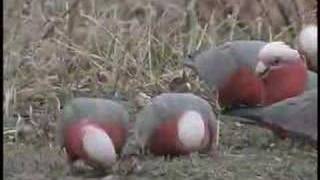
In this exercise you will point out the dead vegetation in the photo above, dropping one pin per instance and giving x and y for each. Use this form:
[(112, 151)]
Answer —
[(55, 50)]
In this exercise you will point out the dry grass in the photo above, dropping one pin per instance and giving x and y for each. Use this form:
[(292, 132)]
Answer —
[(55, 50)]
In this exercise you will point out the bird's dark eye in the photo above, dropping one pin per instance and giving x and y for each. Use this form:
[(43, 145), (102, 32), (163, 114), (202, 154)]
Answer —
[(276, 61)]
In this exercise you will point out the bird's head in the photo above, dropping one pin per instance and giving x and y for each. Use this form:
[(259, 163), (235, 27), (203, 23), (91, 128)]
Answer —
[(276, 55)]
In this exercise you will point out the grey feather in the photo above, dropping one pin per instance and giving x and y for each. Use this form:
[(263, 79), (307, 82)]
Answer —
[(168, 106), (297, 115), (101, 110), (216, 64)]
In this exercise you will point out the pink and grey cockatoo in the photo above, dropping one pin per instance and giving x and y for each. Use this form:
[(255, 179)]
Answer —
[(293, 117), (93, 130), (177, 124), (308, 45), (251, 72)]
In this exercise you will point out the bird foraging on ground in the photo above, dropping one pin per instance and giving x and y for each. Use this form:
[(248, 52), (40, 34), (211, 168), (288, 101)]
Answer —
[(177, 124), (292, 117), (251, 72), (93, 130)]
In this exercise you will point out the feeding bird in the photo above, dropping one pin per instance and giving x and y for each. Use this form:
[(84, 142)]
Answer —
[(93, 130), (251, 72), (177, 124), (292, 117)]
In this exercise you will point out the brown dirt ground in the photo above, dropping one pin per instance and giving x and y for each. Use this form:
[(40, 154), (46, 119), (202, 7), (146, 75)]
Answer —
[(246, 152)]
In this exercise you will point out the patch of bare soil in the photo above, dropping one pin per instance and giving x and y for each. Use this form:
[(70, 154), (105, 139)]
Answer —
[(246, 152)]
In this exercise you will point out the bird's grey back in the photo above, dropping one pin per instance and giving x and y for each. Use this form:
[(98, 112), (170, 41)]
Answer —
[(218, 63), (168, 106), (306, 101), (298, 114), (246, 52), (101, 110)]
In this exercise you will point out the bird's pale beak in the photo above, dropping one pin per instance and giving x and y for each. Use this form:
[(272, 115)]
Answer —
[(261, 69)]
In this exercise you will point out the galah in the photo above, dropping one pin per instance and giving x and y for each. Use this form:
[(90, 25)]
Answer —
[(308, 45), (251, 72), (175, 124), (93, 130), (293, 117)]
